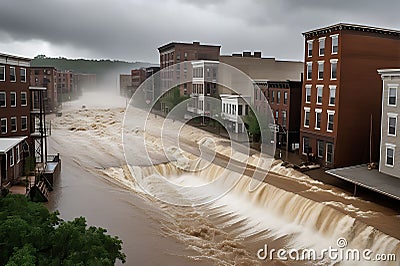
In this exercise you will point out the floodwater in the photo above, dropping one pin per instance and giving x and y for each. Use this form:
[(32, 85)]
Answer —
[(290, 210)]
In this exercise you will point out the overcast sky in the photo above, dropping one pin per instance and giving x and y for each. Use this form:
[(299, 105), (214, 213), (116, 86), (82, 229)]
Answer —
[(133, 29)]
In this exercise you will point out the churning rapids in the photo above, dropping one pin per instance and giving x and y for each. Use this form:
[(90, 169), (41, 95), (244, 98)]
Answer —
[(288, 210)]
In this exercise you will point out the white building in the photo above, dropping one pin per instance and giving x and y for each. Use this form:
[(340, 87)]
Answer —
[(390, 126), (233, 108)]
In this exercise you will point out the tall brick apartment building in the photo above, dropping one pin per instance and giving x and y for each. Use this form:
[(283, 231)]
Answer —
[(174, 53), (46, 77), (342, 91), (14, 115)]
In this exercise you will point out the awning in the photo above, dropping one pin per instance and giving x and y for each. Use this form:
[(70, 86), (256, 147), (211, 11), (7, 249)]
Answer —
[(7, 144)]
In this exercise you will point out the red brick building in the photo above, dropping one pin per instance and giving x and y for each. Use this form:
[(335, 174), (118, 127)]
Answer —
[(46, 77), (174, 53), (342, 91), (14, 115)]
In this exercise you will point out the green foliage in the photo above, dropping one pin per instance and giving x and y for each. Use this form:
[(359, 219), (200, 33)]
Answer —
[(173, 98), (31, 235), (252, 125)]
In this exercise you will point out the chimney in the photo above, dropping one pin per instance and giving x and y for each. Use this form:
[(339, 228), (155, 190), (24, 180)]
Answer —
[(236, 55), (196, 43), (246, 54), (257, 54)]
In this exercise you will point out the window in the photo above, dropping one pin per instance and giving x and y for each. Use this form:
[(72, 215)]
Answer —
[(392, 96), (322, 46), (12, 157), (320, 70), (3, 102), (3, 125), (390, 155), (309, 70), (306, 145), (18, 155), (24, 123), (308, 93), (285, 97), (2, 73), (320, 149), (13, 124), (12, 74), (276, 116), (309, 48), (335, 44), (13, 99), (22, 72), (318, 113), (332, 95), (329, 152), (284, 119), (278, 97), (320, 90), (392, 124), (273, 96), (306, 117), (331, 117), (333, 69)]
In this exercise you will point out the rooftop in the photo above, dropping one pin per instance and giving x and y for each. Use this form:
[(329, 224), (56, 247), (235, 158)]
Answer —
[(354, 27), (7, 143), (15, 57), (172, 44)]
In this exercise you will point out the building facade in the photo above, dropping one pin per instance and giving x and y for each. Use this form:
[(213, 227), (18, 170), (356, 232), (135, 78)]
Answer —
[(341, 92), (65, 86), (174, 53), (14, 116), (234, 107), (46, 77), (389, 162)]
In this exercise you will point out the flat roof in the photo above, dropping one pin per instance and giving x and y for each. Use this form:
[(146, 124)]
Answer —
[(7, 144), (172, 44), (370, 179), (349, 26), (15, 57)]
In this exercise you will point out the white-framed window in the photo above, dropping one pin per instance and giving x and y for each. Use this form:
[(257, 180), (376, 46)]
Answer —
[(13, 96), (284, 119), (13, 124), (335, 43), (12, 157), (392, 124), (329, 152), (320, 90), (2, 73), (330, 120), (276, 116), (320, 70), (278, 97), (22, 73), (322, 46), (273, 96), (3, 125), (24, 123), (309, 48), (3, 99), (332, 95), (320, 149), (392, 96), (309, 70), (17, 153), (285, 97), (308, 93), (306, 117), (390, 150), (13, 77), (306, 145), (318, 115), (24, 101), (334, 69)]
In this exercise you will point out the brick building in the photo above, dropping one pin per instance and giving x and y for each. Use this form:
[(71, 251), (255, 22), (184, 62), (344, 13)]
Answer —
[(65, 86), (389, 162), (46, 77), (14, 116), (342, 91), (175, 53)]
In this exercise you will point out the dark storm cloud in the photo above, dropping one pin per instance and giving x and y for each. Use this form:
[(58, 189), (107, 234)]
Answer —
[(132, 30)]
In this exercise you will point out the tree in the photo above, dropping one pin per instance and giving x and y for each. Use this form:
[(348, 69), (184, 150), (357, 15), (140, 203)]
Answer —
[(252, 125), (31, 235)]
